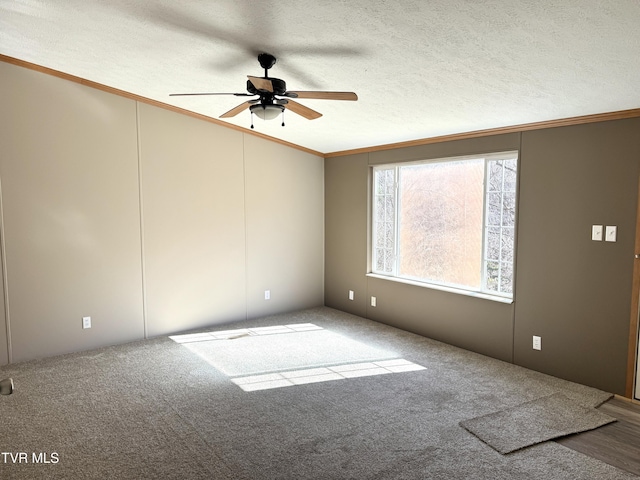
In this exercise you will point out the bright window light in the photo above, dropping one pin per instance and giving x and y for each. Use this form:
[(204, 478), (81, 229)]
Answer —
[(447, 222)]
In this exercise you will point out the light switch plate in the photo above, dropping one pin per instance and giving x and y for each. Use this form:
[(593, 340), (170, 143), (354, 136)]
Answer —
[(611, 233), (596, 233)]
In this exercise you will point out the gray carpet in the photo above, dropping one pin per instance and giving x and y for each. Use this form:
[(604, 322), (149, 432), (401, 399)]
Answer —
[(533, 422), (155, 409)]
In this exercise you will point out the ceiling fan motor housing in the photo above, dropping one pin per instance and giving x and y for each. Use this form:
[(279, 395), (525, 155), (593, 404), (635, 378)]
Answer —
[(279, 87)]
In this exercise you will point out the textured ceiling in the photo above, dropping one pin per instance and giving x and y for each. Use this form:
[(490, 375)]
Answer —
[(420, 68)]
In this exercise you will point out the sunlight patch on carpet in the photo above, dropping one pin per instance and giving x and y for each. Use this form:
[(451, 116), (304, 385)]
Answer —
[(324, 374), (243, 332), (287, 355)]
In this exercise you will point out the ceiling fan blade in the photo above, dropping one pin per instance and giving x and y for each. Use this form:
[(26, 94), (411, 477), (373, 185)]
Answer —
[(194, 94), (236, 110), (303, 111), (261, 83), (323, 95)]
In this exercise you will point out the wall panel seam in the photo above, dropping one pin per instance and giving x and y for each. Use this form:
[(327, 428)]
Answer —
[(141, 219), (246, 239), (3, 259)]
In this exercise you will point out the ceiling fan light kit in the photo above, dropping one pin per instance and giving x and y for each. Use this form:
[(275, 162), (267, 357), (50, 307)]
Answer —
[(268, 106), (266, 112)]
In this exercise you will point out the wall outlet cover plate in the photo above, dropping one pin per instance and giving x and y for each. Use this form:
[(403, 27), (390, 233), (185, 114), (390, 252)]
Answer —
[(537, 342)]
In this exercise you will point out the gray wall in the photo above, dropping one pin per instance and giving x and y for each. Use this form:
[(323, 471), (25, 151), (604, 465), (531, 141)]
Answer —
[(573, 292), (147, 220)]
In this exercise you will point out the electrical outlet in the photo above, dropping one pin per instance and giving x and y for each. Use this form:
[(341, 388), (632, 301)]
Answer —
[(267, 294), (373, 301), (351, 294), (537, 342), (86, 322)]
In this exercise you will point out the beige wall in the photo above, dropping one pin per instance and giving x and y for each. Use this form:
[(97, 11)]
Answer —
[(285, 240), (70, 214), (193, 216), (146, 220)]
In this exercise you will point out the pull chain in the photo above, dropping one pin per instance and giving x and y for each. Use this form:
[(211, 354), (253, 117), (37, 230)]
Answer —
[(283, 116), (252, 120)]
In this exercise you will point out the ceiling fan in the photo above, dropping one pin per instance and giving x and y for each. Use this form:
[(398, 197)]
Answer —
[(269, 105)]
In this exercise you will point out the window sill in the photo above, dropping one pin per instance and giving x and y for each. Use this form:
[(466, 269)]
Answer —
[(442, 288)]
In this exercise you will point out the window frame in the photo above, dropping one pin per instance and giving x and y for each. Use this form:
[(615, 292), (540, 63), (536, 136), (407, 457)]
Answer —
[(482, 291)]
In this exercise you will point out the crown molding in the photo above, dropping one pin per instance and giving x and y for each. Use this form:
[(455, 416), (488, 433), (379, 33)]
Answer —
[(564, 122)]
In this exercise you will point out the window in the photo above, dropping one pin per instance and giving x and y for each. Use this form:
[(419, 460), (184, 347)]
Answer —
[(447, 222)]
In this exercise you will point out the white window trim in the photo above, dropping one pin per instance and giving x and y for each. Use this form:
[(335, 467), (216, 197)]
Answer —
[(443, 288), (497, 296)]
